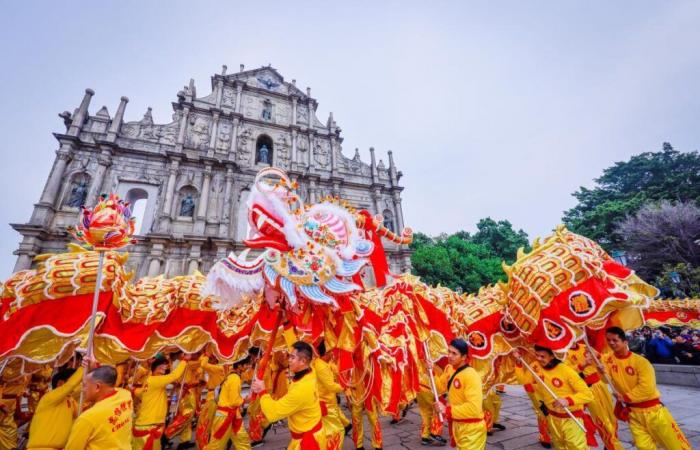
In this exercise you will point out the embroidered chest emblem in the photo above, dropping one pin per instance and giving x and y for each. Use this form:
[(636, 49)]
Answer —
[(557, 382), (457, 384), (629, 370)]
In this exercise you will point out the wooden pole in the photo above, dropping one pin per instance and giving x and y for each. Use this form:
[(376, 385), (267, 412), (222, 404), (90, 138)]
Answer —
[(93, 319)]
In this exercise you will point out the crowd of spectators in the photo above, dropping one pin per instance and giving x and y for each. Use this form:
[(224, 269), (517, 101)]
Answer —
[(667, 345)]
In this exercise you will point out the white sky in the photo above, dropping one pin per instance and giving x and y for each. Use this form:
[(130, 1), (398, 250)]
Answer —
[(498, 109)]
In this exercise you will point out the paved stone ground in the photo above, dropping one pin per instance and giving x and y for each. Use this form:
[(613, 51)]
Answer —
[(521, 429)]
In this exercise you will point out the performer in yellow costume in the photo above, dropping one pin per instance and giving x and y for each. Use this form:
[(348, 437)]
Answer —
[(107, 424), (571, 392), (11, 390), (39, 386), (651, 424), (257, 423), (492, 411), (300, 406), (431, 425), (188, 405), (601, 408), (228, 421), (215, 374), (464, 411), (55, 412), (153, 409), (545, 440), (328, 387), (359, 405)]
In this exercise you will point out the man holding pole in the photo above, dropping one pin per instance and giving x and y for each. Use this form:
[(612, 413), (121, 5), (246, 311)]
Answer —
[(633, 378), (150, 418), (565, 394), (300, 405), (464, 411)]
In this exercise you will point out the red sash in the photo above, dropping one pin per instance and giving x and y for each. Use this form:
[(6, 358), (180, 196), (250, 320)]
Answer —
[(324, 409), (308, 441), (645, 404), (587, 424), (450, 421), (155, 432), (232, 420), (592, 379)]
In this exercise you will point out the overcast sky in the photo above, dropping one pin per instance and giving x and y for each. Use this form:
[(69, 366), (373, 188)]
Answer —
[(498, 109)]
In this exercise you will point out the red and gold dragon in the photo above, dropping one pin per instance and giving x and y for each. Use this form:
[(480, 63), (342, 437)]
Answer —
[(313, 262)]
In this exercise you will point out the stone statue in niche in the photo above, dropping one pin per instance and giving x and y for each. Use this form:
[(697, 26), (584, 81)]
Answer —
[(78, 194), (264, 155), (187, 206), (267, 110), (389, 222)]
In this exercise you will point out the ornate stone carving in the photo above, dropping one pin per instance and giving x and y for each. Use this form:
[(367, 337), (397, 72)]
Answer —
[(229, 98), (224, 141), (302, 114), (243, 155), (198, 133), (322, 154)]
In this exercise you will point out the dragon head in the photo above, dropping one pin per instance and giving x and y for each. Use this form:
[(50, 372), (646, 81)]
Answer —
[(308, 251)]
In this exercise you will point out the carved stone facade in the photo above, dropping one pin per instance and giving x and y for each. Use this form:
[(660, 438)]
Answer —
[(194, 173)]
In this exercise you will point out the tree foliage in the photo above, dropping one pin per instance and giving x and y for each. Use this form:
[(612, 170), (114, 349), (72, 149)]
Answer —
[(626, 186), (464, 261), (661, 235)]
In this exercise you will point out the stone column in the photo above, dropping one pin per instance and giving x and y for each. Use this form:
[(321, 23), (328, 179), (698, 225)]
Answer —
[(373, 165), (116, 124), (392, 168), (212, 137), (48, 197), (294, 109), (195, 255), (398, 212), (224, 212), (311, 149), (79, 117), (294, 145), (156, 255), (170, 189), (376, 199), (104, 160), (203, 202), (239, 90), (234, 138), (220, 89), (183, 126), (334, 162)]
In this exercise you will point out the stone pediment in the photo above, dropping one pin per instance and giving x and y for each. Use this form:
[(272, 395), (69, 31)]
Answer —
[(267, 78)]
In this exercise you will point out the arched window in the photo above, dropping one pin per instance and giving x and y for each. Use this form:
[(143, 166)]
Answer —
[(263, 150), (187, 201), (77, 192), (388, 220), (138, 200)]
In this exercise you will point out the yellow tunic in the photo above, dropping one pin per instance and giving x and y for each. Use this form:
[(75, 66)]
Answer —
[(11, 389), (154, 398), (465, 406), (54, 415), (300, 406), (107, 425), (651, 426), (566, 384)]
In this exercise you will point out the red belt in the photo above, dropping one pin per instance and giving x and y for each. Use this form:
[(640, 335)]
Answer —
[(592, 379), (646, 404), (308, 441), (324, 409), (564, 415), (232, 420), (153, 433), (450, 421), (529, 388)]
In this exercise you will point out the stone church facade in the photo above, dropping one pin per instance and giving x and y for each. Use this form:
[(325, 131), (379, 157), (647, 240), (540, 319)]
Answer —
[(191, 177)]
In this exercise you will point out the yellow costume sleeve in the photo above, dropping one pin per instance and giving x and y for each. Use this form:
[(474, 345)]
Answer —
[(646, 382), (231, 392), (290, 337), (275, 410), (582, 393), (161, 381), (325, 378), (442, 380), (80, 433), (60, 393), (523, 375)]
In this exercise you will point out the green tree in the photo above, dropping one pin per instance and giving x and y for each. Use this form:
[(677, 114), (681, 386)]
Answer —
[(464, 261), (626, 186), (501, 238)]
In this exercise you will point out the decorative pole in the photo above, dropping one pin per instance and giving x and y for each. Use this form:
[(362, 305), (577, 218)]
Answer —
[(108, 226), (432, 377)]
